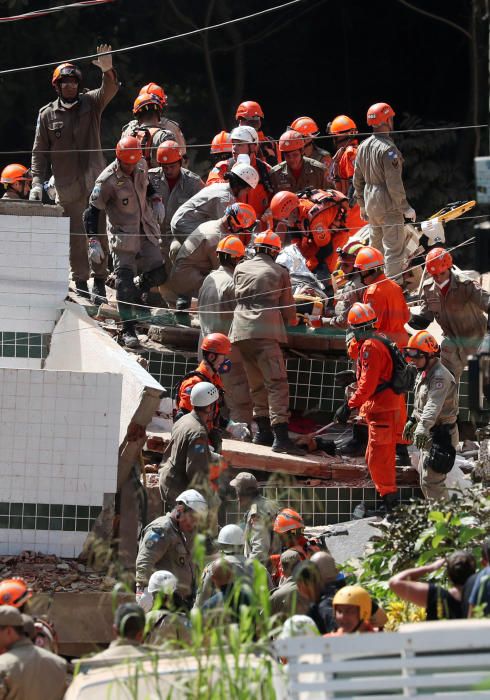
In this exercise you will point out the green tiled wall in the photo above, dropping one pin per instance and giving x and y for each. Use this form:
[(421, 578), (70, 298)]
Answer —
[(20, 344), (47, 516)]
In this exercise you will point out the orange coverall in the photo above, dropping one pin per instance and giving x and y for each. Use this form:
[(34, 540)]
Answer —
[(382, 413), (184, 398), (341, 172), (319, 235), (259, 198)]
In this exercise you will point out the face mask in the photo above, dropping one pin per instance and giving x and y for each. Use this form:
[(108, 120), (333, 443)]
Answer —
[(224, 367), (68, 105)]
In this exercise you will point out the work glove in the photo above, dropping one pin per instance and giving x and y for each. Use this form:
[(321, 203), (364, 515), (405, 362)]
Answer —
[(409, 429), (158, 208), (50, 189), (103, 62), (144, 600), (314, 321), (420, 438), (342, 414), (409, 214), (95, 252), (36, 194), (237, 430)]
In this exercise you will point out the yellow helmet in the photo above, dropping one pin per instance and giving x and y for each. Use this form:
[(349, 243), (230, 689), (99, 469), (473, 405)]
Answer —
[(355, 595)]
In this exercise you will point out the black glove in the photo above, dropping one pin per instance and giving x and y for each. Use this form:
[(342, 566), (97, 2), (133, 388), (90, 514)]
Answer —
[(342, 414), (346, 377)]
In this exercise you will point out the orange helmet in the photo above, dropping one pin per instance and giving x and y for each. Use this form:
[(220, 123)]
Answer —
[(268, 239), (14, 591), (128, 150), (231, 245), (287, 520), (168, 152), (242, 215), (145, 100), (66, 69), (291, 141), (422, 342), (15, 173), (305, 126), (341, 125), (368, 258), (438, 260), (221, 143), (249, 110), (216, 342), (379, 113), (283, 204), (155, 89), (361, 315), (350, 249)]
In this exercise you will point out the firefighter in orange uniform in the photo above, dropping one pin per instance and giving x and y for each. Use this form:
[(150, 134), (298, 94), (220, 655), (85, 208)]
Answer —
[(250, 113), (147, 109), (308, 128), (381, 408), (220, 147), (343, 129)]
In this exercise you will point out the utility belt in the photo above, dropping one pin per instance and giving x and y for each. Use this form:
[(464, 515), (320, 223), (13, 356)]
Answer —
[(442, 454)]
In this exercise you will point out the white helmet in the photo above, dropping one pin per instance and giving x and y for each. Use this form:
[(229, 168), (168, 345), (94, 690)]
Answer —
[(231, 535), (162, 582), (193, 500), (299, 626), (247, 134), (204, 394), (247, 174)]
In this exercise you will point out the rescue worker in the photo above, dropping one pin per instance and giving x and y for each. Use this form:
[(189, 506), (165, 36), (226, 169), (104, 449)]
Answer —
[(174, 185), (308, 128), (289, 529), (435, 411), (187, 459), (27, 672), (197, 254), (458, 304), (379, 188), (127, 632), (165, 122), (121, 191), (216, 304), (16, 180), (384, 295), (286, 599), (67, 146), (381, 408), (250, 113), (15, 591), (245, 142), (166, 619), (167, 542), (259, 516), (353, 608), (297, 171), (351, 289), (147, 109), (221, 147), (211, 202), (264, 304)]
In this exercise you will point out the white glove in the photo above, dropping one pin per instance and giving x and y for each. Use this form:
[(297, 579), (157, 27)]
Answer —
[(239, 431), (410, 214), (145, 600), (103, 62), (36, 194), (95, 252), (158, 208), (50, 189)]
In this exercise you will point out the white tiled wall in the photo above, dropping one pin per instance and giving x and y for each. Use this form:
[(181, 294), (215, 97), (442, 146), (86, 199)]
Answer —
[(63, 544)]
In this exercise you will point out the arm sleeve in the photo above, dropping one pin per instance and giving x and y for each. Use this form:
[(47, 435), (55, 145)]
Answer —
[(197, 461), (424, 312), (478, 296), (359, 182), (153, 548), (41, 161), (286, 300), (392, 168), (438, 389), (91, 220), (104, 94), (369, 379)]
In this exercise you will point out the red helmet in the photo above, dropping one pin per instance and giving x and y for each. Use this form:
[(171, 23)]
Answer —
[(291, 141), (145, 100), (341, 125), (283, 204), (361, 315), (305, 126), (66, 69), (15, 173), (268, 239), (350, 249), (242, 215), (14, 591), (221, 143), (216, 342), (379, 113), (437, 261), (155, 89), (168, 152), (231, 245), (128, 150), (368, 258), (249, 110), (287, 520), (423, 342)]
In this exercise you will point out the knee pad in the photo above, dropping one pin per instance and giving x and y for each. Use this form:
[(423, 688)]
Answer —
[(152, 279), (125, 287)]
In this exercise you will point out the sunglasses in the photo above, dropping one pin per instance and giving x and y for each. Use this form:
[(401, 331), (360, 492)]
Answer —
[(412, 352)]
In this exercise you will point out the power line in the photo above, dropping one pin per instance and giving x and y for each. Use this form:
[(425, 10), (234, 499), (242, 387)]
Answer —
[(50, 10)]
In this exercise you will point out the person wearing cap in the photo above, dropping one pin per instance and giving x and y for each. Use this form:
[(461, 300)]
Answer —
[(67, 145), (259, 516), (127, 632), (286, 599), (167, 542), (297, 171), (166, 620), (26, 671)]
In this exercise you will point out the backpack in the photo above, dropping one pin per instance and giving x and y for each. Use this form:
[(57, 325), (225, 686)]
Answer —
[(403, 378), (178, 412)]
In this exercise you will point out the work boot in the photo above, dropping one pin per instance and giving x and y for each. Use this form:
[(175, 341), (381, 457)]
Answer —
[(81, 288), (181, 311), (402, 456), (390, 502), (129, 337), (264, 435), (98, 291), (282, 443)]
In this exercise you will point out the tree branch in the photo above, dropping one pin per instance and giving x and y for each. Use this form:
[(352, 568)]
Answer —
[(438, 18)]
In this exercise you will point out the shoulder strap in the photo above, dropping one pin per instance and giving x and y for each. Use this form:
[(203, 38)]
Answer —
[(193, 373)]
